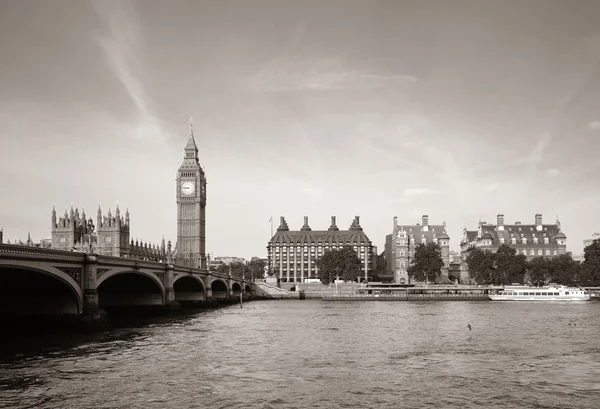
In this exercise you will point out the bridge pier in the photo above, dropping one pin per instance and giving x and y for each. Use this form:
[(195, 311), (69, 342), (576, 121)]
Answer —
[(91, 312), (170, 303), (207, 286)]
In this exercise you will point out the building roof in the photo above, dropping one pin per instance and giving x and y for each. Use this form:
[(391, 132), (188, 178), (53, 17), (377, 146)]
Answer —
[(416, 232), (355, 235), (518, 231)]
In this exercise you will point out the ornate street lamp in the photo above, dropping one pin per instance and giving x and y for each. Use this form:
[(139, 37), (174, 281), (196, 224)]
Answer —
[(89, 228)]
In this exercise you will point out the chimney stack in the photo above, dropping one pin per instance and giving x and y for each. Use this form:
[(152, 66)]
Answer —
[(425, 220), (306, 227), (538, 222), (333, 227), (500, 221), (395, 223)]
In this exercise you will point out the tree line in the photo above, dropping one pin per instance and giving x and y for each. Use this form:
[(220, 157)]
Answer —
[(505, 267), (251, 271)]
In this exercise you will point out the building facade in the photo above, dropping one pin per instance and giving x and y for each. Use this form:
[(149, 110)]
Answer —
[(406, 238), (532, 240), (292, 254), (191, 205), (111, 235)]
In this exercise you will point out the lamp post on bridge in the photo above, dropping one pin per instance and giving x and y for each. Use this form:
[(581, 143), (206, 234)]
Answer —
[(89, 229)]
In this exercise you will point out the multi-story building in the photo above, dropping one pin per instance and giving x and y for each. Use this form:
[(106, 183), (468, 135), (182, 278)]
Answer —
[(406, 238), (110, 238), (293, 253), (532, 240)]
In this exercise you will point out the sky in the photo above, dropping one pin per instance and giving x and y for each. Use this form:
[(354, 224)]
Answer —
[(460, 110)]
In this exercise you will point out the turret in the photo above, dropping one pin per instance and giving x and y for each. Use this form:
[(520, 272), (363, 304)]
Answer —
[(99, 218), (118, 216), (127, 217)]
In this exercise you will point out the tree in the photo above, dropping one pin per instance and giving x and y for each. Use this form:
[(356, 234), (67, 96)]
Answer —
[(590, 268), (256, 269), (566, 271), (510, 267), (343, 263), (236, 269), (427, 263), (540, 271), (481, 266)]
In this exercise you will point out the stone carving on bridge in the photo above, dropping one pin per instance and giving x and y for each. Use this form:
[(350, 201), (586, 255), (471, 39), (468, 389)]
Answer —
[(101, 271), (74, 273)]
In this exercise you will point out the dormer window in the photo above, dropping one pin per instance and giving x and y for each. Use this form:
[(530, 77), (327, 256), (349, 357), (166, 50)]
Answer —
[(546, 240), (535, 240), (502, 240), (513, 240), (524, 240)]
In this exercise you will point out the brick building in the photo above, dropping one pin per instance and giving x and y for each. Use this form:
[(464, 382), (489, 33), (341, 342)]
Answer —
[(404, 240), (532, 240)]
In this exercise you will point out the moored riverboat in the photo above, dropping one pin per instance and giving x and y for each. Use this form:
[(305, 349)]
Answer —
[(552, 292)]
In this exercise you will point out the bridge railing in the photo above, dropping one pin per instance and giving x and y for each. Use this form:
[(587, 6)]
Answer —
[(11, 250)]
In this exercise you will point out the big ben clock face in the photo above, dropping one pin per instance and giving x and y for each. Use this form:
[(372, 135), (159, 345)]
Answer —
[(188, 188)]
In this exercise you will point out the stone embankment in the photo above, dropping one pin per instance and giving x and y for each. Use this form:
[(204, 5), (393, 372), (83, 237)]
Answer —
[(268, 291)]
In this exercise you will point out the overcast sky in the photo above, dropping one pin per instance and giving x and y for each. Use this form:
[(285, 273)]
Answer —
[(456, 109)]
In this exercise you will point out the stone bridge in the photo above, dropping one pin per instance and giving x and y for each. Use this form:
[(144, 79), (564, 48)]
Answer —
[(39, 281)]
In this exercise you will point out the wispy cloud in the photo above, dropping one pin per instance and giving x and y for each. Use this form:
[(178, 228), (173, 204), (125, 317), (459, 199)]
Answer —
[(537, 154), (120, 49), (552, 172), (297, 67), (595, 125)]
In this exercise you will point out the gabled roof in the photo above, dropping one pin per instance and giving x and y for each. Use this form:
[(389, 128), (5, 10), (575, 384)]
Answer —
[(353, 236), (520, 231), (416, 232)]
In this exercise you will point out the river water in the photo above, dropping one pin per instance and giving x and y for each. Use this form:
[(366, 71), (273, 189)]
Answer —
[(314, 354)]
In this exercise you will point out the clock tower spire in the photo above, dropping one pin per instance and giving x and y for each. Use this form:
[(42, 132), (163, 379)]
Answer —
[(191, 204)]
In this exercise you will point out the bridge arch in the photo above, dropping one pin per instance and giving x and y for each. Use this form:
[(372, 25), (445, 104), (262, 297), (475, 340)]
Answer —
[(236, 289), (127, 287), (55, 292), (247, 289), (219, 289), (188, 288)]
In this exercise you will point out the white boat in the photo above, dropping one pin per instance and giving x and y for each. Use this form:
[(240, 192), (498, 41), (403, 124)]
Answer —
[(552, 292)]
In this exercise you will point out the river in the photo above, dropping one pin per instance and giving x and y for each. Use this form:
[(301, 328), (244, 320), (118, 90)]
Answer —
[(314, 354)]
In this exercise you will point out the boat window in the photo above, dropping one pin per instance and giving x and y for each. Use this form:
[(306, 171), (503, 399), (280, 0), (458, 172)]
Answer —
[(556, 294), (544, 293), (566, 293)]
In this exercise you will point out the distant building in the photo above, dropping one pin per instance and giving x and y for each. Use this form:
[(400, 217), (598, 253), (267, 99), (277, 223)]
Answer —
[(404, 240), (228, 260), (110, 236), (532, 240), (1, 235), (293, 254)]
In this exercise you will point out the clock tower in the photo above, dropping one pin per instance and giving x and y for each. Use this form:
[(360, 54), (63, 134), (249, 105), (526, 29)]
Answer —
[(191, 204)]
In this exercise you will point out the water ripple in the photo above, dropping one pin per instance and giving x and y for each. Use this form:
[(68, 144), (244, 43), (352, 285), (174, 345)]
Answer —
[(312, 354)]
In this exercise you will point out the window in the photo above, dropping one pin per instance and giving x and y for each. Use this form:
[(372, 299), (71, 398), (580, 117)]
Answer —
[(513, 240), (532, 252), (524, 240), (546, 241)]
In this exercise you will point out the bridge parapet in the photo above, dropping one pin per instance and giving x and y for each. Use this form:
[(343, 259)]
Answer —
[(16, 251)]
